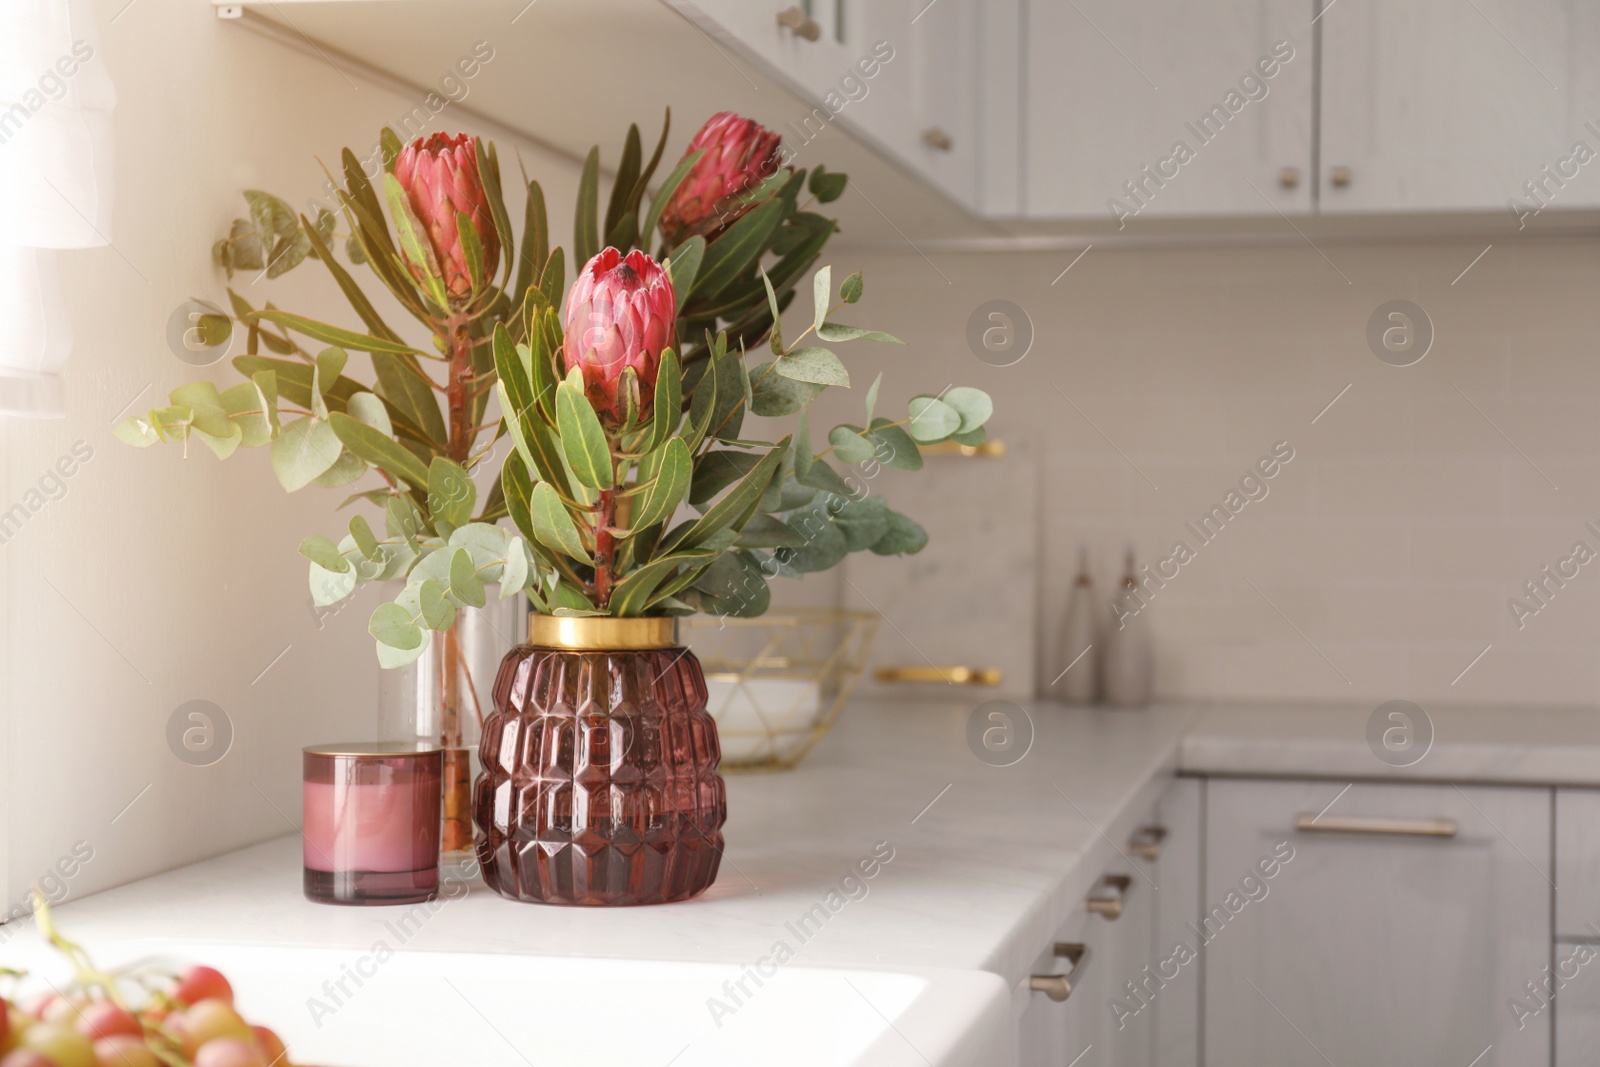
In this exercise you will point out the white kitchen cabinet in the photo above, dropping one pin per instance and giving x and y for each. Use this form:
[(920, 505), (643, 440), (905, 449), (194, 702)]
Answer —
[(1113, 89), (1374, 944), (1431, 105), (1053, 1033), (1113, 1016), (817, 42), (1578, 864), (1577, 1007), (1177, 1004), (933, 85)]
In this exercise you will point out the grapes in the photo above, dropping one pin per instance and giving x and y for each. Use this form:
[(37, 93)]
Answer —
[(271, 1046), (124, 1050), (62, 1046), (105, 1019), (229, 1052), (207, 1021), (24, 1057), (202, 983), (190, 1020), (17, 1021)]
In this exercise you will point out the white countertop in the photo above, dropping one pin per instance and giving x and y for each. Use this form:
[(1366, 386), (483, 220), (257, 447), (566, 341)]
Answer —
[(987, 862), (1504, 745)]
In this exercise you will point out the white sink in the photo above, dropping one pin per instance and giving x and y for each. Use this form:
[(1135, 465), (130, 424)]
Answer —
[(445, 1009)]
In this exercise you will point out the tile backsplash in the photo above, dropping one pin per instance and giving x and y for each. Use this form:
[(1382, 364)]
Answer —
[(1382, 559)]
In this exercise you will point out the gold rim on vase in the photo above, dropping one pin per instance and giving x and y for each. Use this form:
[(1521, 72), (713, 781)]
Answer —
[(601, 632)]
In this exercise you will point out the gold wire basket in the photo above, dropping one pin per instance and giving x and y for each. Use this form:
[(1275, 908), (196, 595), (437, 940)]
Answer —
[(778, 682)]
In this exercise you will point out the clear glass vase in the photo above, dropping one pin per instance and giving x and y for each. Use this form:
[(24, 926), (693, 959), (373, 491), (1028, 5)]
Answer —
[(445, 696)]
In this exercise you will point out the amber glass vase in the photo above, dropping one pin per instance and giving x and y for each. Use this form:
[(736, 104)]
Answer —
[(599, 782)]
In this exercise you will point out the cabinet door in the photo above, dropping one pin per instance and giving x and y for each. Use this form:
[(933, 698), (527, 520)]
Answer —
[(1578, 864), (926, 110), (1177, 1038), (1131, 999), (1439, 105), (1367, 947), (812, 65), (1160, 109), (1577, 1009), (948, 606)]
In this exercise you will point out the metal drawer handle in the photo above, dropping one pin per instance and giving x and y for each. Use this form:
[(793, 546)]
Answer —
[(947, 675), (936, 138), (1340, 177), (1058, 987), (1109, 907), (796, 21), (1146, 843), (1366, 824)]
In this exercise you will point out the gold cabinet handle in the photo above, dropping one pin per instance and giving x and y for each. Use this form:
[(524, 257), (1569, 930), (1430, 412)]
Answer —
[(1289, 177), (1340, 177), (1146, 843), (797, 22), (1058, 987), (936, 138), (1106, 900), (1362, 824), (940, 675), (987, 450)]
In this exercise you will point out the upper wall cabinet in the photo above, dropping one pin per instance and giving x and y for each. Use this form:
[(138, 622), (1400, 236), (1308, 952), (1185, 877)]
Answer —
[(935, 86), (1114, 110), (1435, 105), (1145, 109)]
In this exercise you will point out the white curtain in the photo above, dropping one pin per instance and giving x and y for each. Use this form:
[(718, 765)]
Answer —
[(55, 186)]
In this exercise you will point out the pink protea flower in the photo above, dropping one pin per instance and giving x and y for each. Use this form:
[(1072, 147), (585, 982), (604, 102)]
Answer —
[(740, 154), (621, 313), (440, 177)]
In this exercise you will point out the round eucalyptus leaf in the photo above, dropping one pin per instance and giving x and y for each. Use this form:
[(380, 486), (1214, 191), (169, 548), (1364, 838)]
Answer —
[(931, 419)]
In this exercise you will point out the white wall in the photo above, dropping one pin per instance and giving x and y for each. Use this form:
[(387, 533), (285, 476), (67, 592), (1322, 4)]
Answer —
[(157, 580), (1407, 520)]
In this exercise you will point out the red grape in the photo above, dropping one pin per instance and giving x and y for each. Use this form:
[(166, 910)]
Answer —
[(124, 1051), (202, 983), (229, 1052), (105, 1019), (24, 1057), (208, 1020), (52, 1008), (60, 1045), (17, 1021), (271, 1046)]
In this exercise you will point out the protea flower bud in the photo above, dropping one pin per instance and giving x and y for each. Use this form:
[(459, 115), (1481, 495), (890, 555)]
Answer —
[(621, 313), (440, 177), (740, 154)]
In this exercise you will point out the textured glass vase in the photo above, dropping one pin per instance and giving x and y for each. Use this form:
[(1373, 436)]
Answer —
[(599, 782)]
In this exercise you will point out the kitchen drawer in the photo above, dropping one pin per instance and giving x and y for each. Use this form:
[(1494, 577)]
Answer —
[(1054, 1033), (1379, 938), (1578, 864), (1110, 1019)]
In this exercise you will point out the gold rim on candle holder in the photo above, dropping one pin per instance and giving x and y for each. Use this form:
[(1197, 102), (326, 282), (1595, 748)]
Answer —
[(601, 632)]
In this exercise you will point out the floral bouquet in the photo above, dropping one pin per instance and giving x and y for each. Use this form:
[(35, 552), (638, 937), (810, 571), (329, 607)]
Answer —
[(629, 480)]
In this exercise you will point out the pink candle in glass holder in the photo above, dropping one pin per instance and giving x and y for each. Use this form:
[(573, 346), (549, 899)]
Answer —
[(372, 823)]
